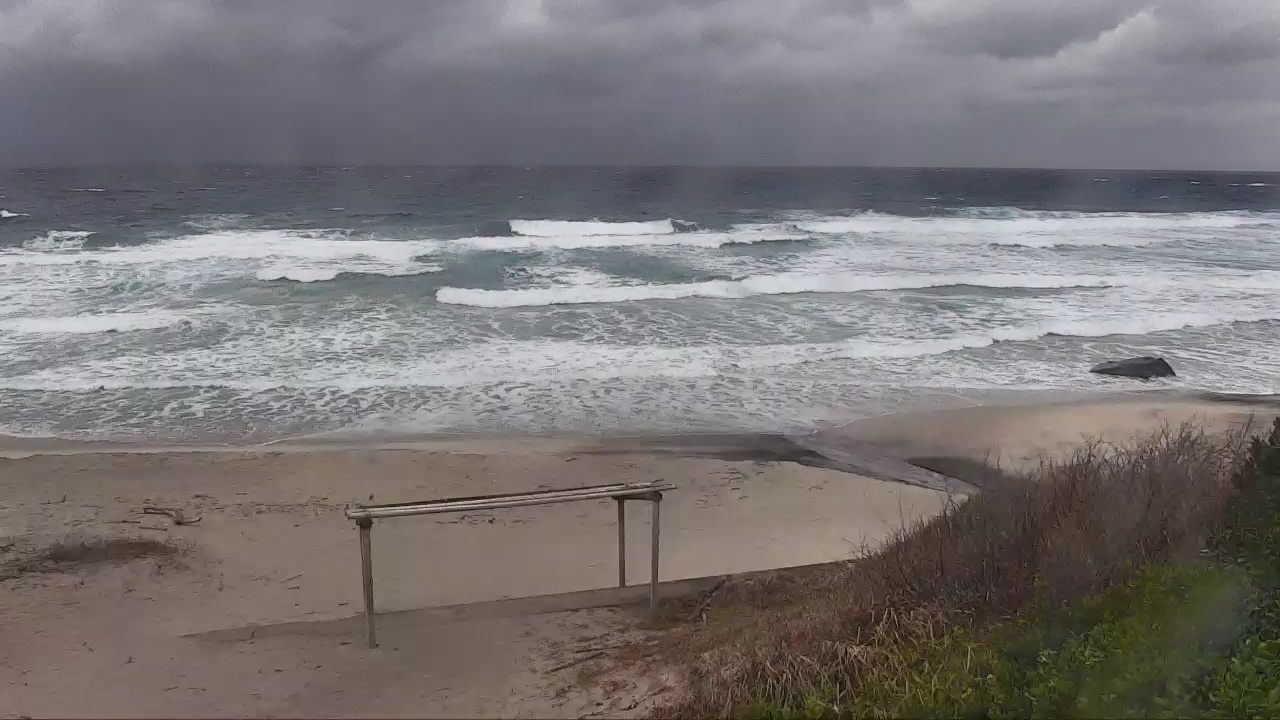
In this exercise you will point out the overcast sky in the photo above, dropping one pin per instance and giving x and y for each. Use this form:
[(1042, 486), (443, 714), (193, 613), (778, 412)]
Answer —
[(1023, 83)]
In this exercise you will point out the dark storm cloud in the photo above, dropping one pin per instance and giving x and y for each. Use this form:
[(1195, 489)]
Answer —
[(925, 82)]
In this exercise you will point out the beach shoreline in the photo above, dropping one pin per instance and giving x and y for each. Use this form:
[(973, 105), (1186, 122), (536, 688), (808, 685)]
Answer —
[(271, 546), (14, 446)]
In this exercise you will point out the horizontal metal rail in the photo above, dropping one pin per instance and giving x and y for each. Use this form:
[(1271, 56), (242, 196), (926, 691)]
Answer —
[(364, 515), (628, 491)]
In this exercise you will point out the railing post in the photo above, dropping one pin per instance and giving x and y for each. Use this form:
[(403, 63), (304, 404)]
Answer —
[(653, 559), (366, 569), (622, 542), (364, 516)]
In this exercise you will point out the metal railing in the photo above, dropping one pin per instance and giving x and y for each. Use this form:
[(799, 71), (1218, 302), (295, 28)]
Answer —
[(364, 515)]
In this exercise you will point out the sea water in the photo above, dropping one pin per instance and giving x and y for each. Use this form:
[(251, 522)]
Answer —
[(243, 304)]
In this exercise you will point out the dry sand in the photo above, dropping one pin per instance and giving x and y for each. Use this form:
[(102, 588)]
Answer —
[(158, 636), (272, 546)]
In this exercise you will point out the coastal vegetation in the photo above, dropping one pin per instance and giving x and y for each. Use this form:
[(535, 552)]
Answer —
[(1123, 581)]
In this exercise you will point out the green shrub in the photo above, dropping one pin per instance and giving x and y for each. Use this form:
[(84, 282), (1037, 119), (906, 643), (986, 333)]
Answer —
[(1143, 582), (1177, 640)]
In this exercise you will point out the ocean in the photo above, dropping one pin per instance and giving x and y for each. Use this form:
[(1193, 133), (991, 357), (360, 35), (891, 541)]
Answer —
[(242, 304)]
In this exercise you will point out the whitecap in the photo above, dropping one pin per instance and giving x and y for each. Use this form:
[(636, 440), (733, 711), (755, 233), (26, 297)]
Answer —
[(302, 275), (58, 241), (571, 228), (93, 323), (739, 235), (782, 284), (311, 246), (1015, 221), (325, 274)]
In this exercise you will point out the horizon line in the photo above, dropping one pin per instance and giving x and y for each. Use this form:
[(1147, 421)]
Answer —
[(608, 166)]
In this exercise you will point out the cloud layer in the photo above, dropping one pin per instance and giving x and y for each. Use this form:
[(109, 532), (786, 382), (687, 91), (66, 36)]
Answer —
[(1089, 83)]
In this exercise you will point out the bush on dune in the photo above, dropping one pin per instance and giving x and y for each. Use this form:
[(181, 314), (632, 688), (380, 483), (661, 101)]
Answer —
[(1123, 581)]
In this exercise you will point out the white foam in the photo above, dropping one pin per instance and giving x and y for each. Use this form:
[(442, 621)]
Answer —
[(58, 241), (304, 356), (710, 240), (769, 231), (325, 274), (7, 214), (263, 362), (1265, 281), (329, 245), (1050, 241), (1260, 184), (1013, 222), (781, 284), (1136, 325), (88, 190), (302, 275), (572, 228), (92, 323)]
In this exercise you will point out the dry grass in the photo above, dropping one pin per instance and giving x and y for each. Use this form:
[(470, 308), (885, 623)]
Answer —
[(982, 475), (66, 554), (1069, 529)]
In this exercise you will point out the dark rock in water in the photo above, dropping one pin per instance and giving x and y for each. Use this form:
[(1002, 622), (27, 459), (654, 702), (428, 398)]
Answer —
[(495, 228), (684, 227), (1143, 368)]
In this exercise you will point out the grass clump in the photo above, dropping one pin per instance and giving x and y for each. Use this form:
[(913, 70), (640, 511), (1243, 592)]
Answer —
[(1122, 582)]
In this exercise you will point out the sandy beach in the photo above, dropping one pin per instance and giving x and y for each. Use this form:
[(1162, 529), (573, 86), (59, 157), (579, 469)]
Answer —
[(254, 616)]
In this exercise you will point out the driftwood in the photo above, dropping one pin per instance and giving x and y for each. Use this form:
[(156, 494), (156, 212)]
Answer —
[(179, 517), (706, 600), (579, 661)]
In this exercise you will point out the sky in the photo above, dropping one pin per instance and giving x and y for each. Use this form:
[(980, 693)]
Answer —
[(1170, 84)]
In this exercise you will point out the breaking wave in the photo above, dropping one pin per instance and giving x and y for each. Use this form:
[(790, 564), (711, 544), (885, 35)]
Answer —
[(1008, 221), (322, 274), (316, 246), (783, 284), (58, 241), (739, 235), (94, 323), (576, 228)]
